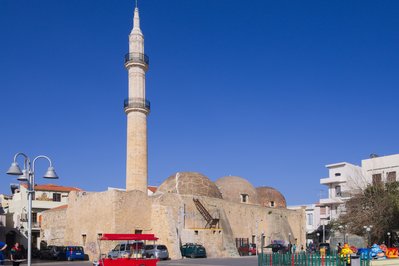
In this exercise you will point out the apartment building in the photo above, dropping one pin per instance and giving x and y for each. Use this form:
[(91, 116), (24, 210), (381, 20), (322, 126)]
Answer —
[(15, 209)]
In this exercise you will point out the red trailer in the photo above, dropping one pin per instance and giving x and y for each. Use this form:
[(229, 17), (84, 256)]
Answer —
[(134, 259)]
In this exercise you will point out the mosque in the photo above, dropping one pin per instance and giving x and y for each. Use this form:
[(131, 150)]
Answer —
[(186, 208)]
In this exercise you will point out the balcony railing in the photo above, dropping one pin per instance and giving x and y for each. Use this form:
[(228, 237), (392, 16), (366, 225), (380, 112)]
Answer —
[(138, 103), (137, 58)]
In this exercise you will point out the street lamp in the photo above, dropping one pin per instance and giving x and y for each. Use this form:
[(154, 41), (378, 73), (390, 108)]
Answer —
[(368, 229), (389, 239), (343, 227), (28, 175), (318, 239)]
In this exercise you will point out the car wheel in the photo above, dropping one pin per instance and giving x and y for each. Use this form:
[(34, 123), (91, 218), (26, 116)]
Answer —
[(192, 256), (70, 259), (250, 253)]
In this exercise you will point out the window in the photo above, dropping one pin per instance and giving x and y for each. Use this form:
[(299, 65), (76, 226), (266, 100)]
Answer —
[(338, 192), (337, 174), (99, 235), (272, 204), (391, 177), (34, 217), (310, 218), (244, 198), (377, 179), (57, 197), (196, 232), (138, 231), (84, 239)]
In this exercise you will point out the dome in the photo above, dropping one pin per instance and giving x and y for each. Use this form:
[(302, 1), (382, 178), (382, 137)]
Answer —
[(270, 197), (237, 189), (190, 183)]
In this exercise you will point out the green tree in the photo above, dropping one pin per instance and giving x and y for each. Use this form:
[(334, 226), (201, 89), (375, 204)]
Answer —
[(376, 205)]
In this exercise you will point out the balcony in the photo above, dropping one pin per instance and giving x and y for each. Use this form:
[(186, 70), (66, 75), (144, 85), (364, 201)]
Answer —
[(46, 204), (137, 104), (332, 180), (137, 59), (331, 201)]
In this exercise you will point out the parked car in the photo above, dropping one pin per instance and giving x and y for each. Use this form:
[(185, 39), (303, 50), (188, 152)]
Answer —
[(252, 249), (193, 250), (156, 251), (50, 252), (71, 253), (126, 250), (278, 248), (247, 250)]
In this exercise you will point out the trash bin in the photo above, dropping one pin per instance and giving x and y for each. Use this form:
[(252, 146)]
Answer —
[(355, 260)]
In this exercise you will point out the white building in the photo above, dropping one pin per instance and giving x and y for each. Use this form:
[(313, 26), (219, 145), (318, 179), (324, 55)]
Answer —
[(345, 179), (15, 208), (312, 214), (381, 169)]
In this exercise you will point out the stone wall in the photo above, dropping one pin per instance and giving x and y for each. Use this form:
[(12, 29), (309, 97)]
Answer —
[(173, 218), (53, 226)]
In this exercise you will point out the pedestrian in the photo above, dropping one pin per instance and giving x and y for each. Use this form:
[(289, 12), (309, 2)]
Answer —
[(339, 248), (294, 248), (16, 255), (3, 246), (290, 247)]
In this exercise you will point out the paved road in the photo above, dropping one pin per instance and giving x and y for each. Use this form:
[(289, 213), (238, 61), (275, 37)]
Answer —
[(242, 261)]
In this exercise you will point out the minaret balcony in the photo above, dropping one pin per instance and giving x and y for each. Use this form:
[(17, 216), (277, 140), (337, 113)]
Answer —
[(137, 104), (140, 59)]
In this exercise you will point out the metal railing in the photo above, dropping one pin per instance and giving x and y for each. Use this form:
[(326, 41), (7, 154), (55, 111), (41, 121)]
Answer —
[(137, 103), (137, 58)]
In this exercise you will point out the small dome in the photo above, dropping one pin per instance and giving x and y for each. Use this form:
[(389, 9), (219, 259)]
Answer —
[(237, 189), (270, 197), (190, 183)]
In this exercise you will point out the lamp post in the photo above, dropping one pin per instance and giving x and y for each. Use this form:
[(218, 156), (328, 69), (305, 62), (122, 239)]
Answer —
[(318, 237), (368, 229), (28, 175), (389, 239), (343, 227)]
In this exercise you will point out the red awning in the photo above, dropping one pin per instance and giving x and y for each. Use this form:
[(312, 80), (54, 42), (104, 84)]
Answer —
[(128, 237)]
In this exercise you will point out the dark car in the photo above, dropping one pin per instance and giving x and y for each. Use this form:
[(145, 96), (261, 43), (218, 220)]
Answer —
[(193, 251), (50, 252), (71, 253), (278, 248)]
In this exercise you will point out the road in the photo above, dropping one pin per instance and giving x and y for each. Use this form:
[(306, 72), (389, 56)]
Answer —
[(242, 261)]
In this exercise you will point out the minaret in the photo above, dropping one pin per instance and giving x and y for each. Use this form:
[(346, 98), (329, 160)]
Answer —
[(136, 108)]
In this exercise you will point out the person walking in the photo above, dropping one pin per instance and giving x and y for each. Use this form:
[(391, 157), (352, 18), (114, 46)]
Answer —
[(3, 246), (16, 254)]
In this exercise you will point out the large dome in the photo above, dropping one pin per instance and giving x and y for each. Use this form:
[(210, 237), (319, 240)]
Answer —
[(190, 183), (270, 197), (237, 189)]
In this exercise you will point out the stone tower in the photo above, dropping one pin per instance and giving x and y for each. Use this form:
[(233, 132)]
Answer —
[(136, 108)]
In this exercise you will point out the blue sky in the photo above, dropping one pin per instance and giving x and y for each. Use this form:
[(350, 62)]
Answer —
[(268, 90)]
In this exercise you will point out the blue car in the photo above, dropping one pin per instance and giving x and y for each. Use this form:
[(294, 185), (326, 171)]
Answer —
[(71, 253)]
